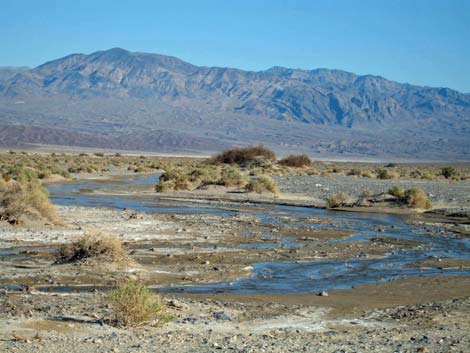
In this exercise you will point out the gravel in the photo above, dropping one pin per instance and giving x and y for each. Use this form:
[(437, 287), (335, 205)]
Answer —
[(440, 192)]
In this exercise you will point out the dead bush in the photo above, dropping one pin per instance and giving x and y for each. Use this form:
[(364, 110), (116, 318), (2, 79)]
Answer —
[(93, 245), (245, 155), (296, 161)]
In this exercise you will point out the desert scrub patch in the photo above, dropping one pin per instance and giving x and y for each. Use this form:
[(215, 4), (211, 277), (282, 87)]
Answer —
[(261, 185), (233, 177), (338, 200), (417, 198), (448, 172), (354, 171), (387, 174), (296, 161), (92, 245), (132, 304), (245, 156), (397, 191), (26, 199)]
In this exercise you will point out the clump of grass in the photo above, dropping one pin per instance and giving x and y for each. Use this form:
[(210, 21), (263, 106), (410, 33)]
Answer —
[(296, 161), (93, 245), (233, 177), (397, 191), (367, 193), (262, 184), (367, 174), (355, 171), (387, 174), (245, 156), (133, 304), (417, 198), (26, 199), (338, 200)]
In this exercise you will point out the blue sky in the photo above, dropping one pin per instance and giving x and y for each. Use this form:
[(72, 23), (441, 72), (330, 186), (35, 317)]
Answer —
[(418, 41)]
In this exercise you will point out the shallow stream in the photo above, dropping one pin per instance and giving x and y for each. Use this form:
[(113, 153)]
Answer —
[(292, 277)]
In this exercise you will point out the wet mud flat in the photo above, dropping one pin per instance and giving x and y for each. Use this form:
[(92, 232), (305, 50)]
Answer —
[(239, 277)]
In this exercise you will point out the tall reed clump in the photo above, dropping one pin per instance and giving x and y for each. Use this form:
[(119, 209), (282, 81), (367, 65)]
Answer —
[(26, 199), (133, 304)]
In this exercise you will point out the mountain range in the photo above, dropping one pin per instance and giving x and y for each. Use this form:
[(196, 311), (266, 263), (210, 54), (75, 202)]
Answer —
[(118, 99)]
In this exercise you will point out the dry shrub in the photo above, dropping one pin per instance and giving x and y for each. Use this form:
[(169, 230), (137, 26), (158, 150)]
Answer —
[(165, 186), (261, 185), (245, 155), (337, 200), (354, 171), (27, 199), (367, 193), (367, 174), (387, 174), (397, 191), (296, 161), (92, 245), (233, 177), (417, 198), (133, 304)]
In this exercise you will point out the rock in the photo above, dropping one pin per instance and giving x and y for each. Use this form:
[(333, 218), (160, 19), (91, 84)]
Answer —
[(222, 315), (323, 294)]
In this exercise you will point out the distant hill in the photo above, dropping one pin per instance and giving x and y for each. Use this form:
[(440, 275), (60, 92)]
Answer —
[(155, 102)]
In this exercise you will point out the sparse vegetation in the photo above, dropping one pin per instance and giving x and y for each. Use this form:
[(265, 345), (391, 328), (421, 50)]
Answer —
[(397, 191), (417, 198), (246, 156), (93, 245), (133, 304), (261, 185), (448, 172), (26, 199), (338, 200), (387, 174), (296, 161), (233, 177)]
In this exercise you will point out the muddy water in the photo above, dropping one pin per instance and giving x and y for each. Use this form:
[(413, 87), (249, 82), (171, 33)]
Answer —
[(293, 277)]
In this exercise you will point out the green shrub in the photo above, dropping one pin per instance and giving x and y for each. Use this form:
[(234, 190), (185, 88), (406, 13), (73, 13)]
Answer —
[(296, 161), (261, 185), (448, 172), (133, 304)]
